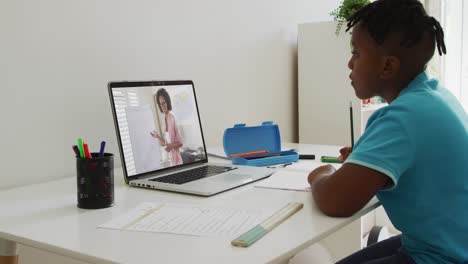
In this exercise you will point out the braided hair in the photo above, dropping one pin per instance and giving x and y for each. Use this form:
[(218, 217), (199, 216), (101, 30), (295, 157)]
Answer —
[(406, 17)]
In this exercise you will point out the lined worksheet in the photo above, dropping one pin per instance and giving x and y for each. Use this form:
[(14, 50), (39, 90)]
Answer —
[(188, 219)]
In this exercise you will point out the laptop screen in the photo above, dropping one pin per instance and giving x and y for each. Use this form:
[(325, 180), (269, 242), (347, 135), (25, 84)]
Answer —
[(158, 125)]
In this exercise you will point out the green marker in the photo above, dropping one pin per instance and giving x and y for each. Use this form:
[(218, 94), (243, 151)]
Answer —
[(329, 159), (81, 147)]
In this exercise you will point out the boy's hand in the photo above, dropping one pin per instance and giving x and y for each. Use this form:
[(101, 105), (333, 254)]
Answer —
[(344, 153)]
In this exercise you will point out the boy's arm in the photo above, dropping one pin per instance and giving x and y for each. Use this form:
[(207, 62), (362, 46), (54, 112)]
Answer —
[(343, 192)]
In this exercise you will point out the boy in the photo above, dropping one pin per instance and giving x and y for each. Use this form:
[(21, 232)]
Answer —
[(414, 152)]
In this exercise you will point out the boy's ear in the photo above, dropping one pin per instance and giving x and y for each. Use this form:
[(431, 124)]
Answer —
[(391, 67)]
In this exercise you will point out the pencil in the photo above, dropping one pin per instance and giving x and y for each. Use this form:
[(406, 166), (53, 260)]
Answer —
[(248, 153), (351, 121)]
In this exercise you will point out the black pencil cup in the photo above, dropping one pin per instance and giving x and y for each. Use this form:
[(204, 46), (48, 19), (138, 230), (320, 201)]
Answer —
[(95, 181)]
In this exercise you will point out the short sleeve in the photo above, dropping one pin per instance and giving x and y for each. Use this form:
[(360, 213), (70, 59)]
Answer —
[(385, 147)]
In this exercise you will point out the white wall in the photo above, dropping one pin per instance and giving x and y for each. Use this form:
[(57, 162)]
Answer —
[(56, 57), (325, 90)]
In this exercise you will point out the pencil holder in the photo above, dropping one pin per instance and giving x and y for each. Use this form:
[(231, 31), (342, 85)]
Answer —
[(95, 181)]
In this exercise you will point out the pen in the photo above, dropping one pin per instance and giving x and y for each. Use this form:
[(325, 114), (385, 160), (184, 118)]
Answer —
[(76, 150), (86, 150), (80, 147), (101, 150)]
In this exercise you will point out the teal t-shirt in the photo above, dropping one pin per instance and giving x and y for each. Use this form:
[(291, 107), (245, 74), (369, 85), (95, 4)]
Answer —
[(420, 141)]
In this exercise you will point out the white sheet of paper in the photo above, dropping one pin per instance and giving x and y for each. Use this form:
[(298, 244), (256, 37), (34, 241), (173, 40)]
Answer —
[(187, 220), (292, 177)]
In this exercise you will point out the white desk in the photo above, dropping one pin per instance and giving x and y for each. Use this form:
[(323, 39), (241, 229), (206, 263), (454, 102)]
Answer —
[(45, 216)]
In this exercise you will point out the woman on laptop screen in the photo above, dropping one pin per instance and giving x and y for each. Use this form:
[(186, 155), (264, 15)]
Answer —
[(171, 139)]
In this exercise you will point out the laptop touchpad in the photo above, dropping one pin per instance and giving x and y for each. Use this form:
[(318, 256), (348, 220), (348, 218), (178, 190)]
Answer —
[(236, 177)]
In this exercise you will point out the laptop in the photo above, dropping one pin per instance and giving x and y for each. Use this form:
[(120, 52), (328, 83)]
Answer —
[(161, 140)]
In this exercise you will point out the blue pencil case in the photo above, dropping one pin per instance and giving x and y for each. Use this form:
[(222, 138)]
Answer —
[(256, 145)]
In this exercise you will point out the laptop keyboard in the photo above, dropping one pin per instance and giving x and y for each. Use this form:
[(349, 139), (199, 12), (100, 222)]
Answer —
[(193, 174)]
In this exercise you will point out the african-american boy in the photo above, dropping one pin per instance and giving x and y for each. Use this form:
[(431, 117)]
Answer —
[(413, 154)]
